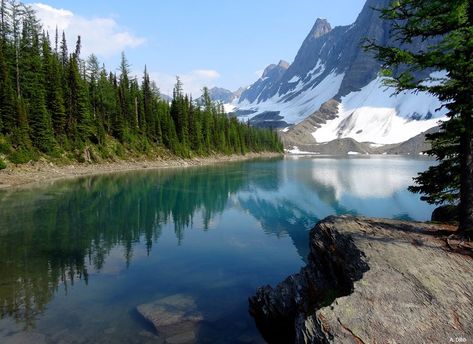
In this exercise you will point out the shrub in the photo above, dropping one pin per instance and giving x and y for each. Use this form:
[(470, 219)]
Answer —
[(22, 156)]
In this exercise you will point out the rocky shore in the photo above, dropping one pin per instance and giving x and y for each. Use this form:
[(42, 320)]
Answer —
[(44, 171), (373, 281)]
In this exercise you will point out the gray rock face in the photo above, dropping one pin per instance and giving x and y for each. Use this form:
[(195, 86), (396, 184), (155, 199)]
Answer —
[(372, 280), (300, 134), (222, 95), (338, 50), (332, 64), (320, 28), (271, 77)]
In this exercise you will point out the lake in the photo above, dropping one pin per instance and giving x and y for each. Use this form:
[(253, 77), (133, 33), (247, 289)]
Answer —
[(77, 257)]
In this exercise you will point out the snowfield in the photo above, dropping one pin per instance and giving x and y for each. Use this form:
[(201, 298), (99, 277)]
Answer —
[(374, 114)]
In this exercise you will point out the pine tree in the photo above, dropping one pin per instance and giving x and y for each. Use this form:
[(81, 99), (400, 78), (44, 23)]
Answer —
[(64, 53), (7, 95), (149, 108), (447, 26), (33, 87), (79, 123), (48, 97), (54, 91), (179, 113), (126, 102), (106, 102)]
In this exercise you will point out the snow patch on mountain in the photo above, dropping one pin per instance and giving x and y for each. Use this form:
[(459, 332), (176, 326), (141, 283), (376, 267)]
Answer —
[(302, 104), (229, 107), (374, 114)]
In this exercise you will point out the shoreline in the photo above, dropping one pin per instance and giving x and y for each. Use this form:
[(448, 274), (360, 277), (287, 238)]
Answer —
[(36, 173)]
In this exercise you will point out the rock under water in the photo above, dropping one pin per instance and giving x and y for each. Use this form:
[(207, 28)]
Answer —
[(175, 318)]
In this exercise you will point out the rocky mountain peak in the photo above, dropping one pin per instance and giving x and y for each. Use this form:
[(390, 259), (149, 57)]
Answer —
[(320, 28), (283, 64), (273, 70)]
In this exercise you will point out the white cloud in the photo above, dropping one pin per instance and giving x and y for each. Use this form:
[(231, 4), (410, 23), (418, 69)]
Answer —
[(193, 82), (101, 36), (205, 74)]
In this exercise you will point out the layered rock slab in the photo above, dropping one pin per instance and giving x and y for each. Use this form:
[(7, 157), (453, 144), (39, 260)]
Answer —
[(372, 281)]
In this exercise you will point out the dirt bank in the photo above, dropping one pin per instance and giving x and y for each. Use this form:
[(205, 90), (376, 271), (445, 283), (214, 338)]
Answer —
[(42, 171)]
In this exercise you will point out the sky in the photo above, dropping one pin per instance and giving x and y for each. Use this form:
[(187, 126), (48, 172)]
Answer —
[(207, 42)]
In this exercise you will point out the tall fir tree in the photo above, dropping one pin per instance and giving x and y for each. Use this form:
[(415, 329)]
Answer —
[(38, 117), (50, 99), (54, 91), (447, 25)]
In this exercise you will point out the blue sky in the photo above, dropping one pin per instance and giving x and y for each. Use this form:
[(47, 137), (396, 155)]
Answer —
[(206, 42)]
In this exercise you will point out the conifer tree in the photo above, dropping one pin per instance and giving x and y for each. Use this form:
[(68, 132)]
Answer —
[(447, 26), (54, 91), (51, 100), (79, 123), (7, 95), (64, 53), (149, 107), (33, 86)]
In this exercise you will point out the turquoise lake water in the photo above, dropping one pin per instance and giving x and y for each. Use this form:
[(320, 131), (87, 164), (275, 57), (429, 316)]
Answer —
[(77, 257)]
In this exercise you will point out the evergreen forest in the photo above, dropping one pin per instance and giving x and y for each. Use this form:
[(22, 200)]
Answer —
[(57, 105)]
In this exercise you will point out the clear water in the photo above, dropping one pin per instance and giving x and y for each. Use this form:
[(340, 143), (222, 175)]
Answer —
[(77, 257)]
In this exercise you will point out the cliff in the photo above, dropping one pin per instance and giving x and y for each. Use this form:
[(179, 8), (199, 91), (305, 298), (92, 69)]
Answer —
[(372, 281)]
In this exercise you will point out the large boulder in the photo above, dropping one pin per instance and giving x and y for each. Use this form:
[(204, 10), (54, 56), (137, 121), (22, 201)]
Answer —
[(372, 280)]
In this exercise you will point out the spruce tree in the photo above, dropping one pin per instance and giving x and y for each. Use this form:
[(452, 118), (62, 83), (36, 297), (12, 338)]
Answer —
[(447, 26), (149, 107), (64, 53), (79, 123), (48, 96), (38, 117), (7, 96), (54, 91)]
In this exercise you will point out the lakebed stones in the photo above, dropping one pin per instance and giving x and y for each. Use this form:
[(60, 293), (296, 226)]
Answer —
[(372, 281), (175, 318)]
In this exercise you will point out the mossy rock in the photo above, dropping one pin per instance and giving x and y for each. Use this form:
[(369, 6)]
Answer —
[(445, 213)]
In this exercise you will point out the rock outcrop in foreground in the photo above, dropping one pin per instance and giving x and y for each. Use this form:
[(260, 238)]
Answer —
[(372, 281)]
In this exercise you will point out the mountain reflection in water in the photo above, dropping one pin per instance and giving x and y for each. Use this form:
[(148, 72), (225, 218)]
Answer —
[(52, 237)]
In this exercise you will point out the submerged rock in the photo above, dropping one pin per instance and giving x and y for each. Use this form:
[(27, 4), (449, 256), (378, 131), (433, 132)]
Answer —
[(175, 318), (371, 280)]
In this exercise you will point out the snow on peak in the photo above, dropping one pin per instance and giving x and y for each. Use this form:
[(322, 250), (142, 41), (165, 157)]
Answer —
[(303, 102)]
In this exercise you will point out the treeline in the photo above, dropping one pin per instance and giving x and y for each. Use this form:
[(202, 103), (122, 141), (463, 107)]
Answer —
[(54, 103)]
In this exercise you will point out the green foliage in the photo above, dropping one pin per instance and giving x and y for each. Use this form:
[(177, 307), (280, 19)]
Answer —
[(22, 156), (3, 165), (5, 146), (446, 29), (56, 104)]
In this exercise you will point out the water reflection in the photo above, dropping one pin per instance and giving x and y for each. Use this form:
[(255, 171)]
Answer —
[(52, 237)]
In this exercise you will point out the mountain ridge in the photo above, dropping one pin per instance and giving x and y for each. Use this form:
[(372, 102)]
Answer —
[(331, 64)]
